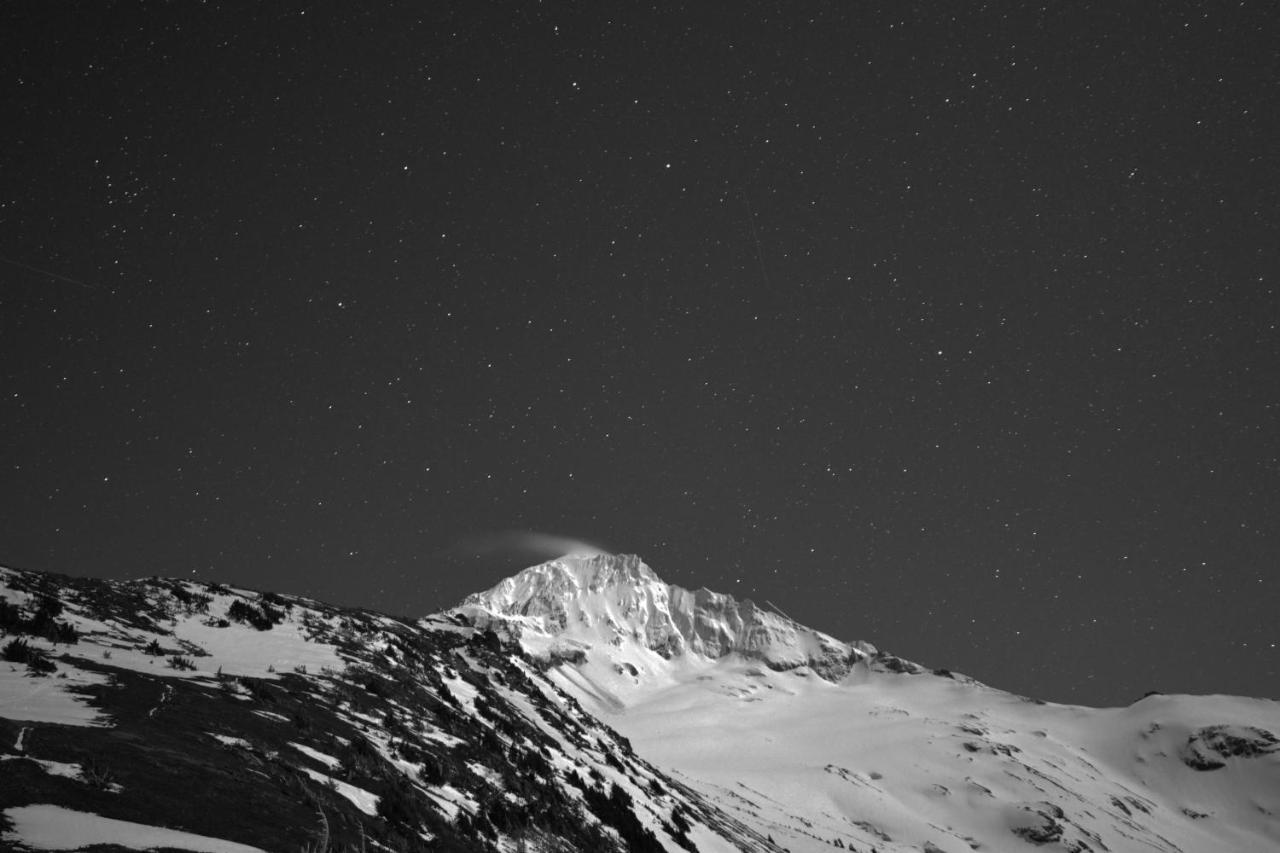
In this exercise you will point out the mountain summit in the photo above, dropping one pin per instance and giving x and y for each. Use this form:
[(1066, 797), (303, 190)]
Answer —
[(567, 606)]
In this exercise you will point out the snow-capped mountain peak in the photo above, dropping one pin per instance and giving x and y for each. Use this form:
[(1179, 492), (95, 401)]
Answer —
[(576, 603), (543, 589)]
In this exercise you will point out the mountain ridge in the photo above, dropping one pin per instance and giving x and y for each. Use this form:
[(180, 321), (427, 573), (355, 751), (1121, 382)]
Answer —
[(580, 598)]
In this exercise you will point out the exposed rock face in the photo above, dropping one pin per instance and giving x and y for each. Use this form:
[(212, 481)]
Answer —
[(1209, 747), (619, 599), (1040, 823)]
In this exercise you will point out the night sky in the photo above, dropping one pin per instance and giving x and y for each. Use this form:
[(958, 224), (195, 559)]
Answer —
[(951, 327)]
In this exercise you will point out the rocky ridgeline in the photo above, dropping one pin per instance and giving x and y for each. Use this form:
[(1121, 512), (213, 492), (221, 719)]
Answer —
[(623, 595)]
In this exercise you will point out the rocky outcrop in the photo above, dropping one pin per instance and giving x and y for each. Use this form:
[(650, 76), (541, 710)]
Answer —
[(1209, 748)]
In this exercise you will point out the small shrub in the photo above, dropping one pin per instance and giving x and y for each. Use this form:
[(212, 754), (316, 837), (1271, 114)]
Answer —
[(269, 617), (614, 762), (240, 611), (181, 663), (275, 599), (258, 689), (264, 618), (50, 606), (40, 665), (153, 648), (17, 651), (97, 775), (65, 633), (10, 616), (42, 624), (400, 803), (615, 809), (683, 840), (433, 772)]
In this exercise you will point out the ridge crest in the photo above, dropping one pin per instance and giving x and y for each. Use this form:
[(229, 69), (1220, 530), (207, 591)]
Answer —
[(601, 602)]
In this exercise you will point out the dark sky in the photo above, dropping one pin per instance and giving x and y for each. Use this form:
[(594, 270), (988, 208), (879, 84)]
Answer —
[(951, 327)]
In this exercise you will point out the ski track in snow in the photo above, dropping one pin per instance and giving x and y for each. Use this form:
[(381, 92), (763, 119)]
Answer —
[(165, 695)]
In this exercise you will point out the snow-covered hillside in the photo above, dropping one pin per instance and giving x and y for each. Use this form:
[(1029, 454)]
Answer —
[(192, 716), (821, 744), (619, 714)]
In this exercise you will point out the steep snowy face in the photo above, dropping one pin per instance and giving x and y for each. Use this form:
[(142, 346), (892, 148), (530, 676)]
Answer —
[(598, 597), (583, 601)]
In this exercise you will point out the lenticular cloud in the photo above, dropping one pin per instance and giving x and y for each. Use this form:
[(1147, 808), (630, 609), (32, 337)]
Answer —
[(543, 546)]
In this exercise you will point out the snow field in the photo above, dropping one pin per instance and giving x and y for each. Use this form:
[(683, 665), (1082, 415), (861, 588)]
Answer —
[(47, 699), (49, 827)]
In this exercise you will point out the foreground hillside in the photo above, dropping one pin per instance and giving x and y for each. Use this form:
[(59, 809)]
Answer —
[(191, 716)]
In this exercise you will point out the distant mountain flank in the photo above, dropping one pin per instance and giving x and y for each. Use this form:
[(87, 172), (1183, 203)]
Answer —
[(581, 705), (821, 743)]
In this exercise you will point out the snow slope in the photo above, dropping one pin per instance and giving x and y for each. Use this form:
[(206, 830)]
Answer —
[(49, 827), (822, 744)]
